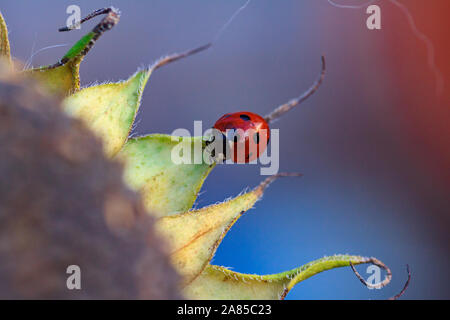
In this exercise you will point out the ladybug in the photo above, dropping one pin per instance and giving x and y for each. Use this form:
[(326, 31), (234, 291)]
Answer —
[(246, 133)]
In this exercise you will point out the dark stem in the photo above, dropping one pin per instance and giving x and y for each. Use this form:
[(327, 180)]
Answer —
[(177, 56), (107, 23), (89, 17), (380, 264), (404, 287), (275, 114)]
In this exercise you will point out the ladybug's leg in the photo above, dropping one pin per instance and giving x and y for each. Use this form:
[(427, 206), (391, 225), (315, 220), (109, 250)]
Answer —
[(218, 146), (296, 101)]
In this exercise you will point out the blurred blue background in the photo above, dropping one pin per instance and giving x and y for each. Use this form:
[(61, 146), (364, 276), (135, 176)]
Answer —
[(372, 143)]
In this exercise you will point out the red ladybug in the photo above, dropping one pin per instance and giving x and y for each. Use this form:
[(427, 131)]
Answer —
[(247, 134)]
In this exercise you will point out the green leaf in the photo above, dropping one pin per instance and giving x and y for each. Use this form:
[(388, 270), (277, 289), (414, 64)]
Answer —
[(109, 109), (195, 235), (5, 51), (166, 187), (219, 283), (63, 77)]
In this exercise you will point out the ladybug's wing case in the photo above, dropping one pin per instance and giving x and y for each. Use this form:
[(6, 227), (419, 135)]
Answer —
[(246, 129)]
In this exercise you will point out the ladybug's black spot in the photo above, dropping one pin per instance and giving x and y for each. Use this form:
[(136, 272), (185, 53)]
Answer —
[(256, 137), (225, 146), (244, 117)]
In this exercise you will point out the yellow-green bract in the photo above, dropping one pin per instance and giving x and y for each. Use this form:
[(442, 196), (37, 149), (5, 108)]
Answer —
[(109, 109), (169, 190), (166, 188), (5, 51)]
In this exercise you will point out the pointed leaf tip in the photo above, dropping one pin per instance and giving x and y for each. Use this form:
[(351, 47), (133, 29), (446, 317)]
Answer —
[(63, 77), (109, 109), (380, 264), (219, 283), (177, 56), (195, 235), (263, 185), (5, 50), (286, 107)]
